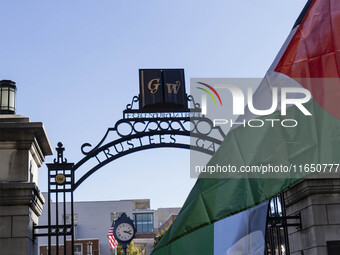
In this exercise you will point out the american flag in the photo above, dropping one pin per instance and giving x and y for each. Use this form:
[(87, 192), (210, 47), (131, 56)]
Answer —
[(112, 241)]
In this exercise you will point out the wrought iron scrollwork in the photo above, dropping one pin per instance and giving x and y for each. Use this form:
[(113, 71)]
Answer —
[(97, 146), (127, 135), (124, 128), (190, 98), (84, 146), (137, 126), (135, 99), (136, 122)]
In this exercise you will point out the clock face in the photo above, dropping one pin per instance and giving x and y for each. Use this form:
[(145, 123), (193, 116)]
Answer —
[(124, 231)]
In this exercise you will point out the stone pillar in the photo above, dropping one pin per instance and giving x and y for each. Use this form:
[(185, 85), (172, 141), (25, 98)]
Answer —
[(318, 201), (23, 147)]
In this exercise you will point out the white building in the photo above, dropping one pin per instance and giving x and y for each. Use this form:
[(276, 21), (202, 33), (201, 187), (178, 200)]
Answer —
[(93, 221)]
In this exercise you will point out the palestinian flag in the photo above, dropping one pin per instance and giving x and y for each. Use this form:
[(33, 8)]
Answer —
[(226, 216)]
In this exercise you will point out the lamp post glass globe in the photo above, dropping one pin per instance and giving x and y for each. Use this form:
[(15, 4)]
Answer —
[(7, 97)]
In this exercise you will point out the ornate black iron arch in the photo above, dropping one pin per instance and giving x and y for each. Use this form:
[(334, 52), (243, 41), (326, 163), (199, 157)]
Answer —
[(136, 131), (160, 132), (119, 151)]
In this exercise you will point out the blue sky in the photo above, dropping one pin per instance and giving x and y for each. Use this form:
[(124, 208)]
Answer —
[(76, 67)]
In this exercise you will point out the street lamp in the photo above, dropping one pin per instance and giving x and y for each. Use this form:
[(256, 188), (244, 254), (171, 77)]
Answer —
[(7, 97), (89, 248)]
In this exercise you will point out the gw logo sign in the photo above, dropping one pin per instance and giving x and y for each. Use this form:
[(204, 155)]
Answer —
[(154, 84), (162, 90)]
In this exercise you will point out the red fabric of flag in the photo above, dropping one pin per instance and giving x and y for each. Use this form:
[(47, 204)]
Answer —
[(112, 241)]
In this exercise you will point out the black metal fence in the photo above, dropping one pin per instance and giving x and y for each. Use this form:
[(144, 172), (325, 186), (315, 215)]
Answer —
[(277, 241)]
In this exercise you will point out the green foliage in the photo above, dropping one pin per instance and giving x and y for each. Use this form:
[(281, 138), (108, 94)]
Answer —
[(131, 250), (158, 238)]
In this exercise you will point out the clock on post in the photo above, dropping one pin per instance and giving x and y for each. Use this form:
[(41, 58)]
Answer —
[(124, 231)]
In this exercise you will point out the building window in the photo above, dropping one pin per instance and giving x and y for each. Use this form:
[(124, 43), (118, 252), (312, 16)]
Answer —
[(115, 215), (78, 249), (333, 247), (69, 218), (144, 222)]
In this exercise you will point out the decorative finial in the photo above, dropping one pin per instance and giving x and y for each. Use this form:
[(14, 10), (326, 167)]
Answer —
[(60, 156)]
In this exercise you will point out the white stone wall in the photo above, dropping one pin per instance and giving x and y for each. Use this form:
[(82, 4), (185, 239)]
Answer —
[(23, 147), (318, 201)]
